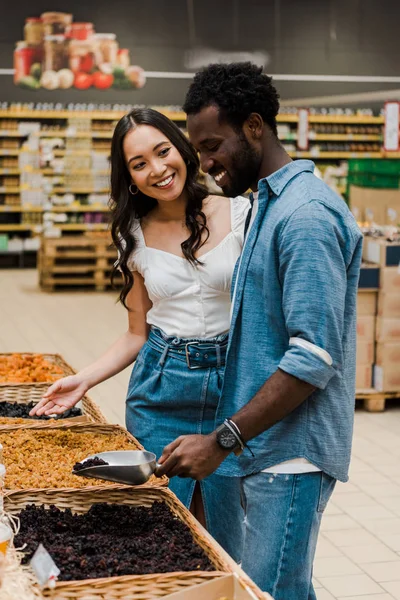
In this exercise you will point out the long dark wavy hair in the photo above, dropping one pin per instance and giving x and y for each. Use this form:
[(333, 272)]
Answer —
[(126, 207)]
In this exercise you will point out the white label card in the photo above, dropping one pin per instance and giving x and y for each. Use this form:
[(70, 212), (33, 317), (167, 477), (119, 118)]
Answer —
[(44, 568)]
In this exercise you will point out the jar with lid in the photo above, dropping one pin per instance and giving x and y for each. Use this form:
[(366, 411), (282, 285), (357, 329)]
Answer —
[(107, 48), (54, 53), (80, 31), (33, 31), (24, 57), (123, 59), (81, 55), (56, 23)]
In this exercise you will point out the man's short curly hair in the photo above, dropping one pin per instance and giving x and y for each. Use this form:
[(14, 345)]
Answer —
[(237, 89)]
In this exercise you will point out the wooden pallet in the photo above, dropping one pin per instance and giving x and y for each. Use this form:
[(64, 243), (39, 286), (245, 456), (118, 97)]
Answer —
[(76, 261), (375, 401)]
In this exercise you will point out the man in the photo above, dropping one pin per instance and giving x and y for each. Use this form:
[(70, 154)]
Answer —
[(288, 395)]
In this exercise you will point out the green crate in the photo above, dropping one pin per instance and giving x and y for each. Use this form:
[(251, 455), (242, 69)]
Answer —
[(374, 180), (3, 242), (380, 166)]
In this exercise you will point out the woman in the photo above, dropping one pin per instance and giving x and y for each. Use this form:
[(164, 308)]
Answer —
[(177, 250)]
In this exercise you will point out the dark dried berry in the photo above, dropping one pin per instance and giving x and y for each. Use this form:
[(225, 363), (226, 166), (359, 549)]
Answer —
[(111, 540), (14, 410), (90, 462)]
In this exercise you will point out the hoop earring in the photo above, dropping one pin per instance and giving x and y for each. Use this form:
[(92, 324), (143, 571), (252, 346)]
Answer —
[(133, 193)]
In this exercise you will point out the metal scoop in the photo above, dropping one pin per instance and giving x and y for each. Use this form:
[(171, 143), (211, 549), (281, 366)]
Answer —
[(131, 467)]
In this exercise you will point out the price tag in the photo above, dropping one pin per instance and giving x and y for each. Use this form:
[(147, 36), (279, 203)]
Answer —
[(302, 129), (391, 129), (44, 568)]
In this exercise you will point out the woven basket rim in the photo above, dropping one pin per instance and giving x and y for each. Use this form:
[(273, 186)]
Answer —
[(212, 550)]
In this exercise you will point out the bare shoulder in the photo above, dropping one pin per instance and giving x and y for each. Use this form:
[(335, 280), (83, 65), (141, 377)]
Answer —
[(215, 205)]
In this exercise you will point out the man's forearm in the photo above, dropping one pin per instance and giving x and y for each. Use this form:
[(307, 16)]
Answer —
[(280, 395)]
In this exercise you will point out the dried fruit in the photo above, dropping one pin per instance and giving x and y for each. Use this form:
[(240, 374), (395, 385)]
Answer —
[(111, 540), (45, 458), (28, 368), (90, 462), (15, 410)]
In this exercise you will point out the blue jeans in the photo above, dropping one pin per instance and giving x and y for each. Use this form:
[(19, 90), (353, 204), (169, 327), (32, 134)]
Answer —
[(167, 399), (283, 516)]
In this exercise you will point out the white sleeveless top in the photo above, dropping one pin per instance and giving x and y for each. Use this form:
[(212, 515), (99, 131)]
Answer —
[(188, 301)]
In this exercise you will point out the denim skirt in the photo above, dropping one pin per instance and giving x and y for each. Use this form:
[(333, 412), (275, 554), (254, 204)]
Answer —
[(174, 390)]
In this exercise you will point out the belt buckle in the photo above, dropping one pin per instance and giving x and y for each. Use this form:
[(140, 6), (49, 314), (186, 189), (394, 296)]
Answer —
[(188, 355)]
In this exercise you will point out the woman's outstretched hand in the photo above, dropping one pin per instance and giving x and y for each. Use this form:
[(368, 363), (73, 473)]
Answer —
[(61, 396)]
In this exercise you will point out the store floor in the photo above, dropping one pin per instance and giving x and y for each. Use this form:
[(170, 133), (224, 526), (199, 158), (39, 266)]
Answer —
[(359, 549)]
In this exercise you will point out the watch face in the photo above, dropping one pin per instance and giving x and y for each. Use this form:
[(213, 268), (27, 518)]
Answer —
[(226, 439)]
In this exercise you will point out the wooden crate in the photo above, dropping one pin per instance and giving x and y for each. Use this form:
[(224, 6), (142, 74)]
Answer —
[(76, 261), (23, 394), (128, 587), (375, 401)]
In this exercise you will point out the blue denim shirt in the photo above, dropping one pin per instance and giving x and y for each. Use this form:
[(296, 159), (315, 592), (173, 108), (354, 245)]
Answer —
[(295, 309)]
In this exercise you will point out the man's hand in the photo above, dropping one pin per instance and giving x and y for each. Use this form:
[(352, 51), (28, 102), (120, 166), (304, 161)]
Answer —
[(195, 456)]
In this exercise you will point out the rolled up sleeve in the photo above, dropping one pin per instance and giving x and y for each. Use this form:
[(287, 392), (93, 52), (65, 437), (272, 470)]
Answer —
[(313, 275)]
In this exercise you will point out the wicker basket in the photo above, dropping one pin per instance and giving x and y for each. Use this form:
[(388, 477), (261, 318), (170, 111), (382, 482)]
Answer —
[(98, 429), (128, 587), (55, 359), (23, 394)]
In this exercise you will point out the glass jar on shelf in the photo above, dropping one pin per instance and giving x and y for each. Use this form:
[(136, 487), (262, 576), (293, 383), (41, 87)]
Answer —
[(33, 31), (55, 56), (80, 31), (107, 48), (81, 55), (56, 23), (24, 57), (123, 59)]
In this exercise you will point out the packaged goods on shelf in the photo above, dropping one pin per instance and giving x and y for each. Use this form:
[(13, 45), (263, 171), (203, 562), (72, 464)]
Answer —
[(382, 252), (390, 280), (389, 305), (363, 376), (365, 328), (366, 303), (387, 377), (388, 329)]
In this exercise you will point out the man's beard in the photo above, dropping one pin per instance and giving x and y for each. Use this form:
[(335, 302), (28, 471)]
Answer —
[(245, 165)]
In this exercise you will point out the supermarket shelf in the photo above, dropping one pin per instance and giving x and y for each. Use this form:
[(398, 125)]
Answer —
[(353, 119), (64, 133), (20, 208), (17, 227), (81, 152), (12, 133), (9, 190), (287, 118), (9, 151), (9, 171), (344, 137), (82, 226), (80, 208), (65, 190), (70, 114), (335, 155)]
